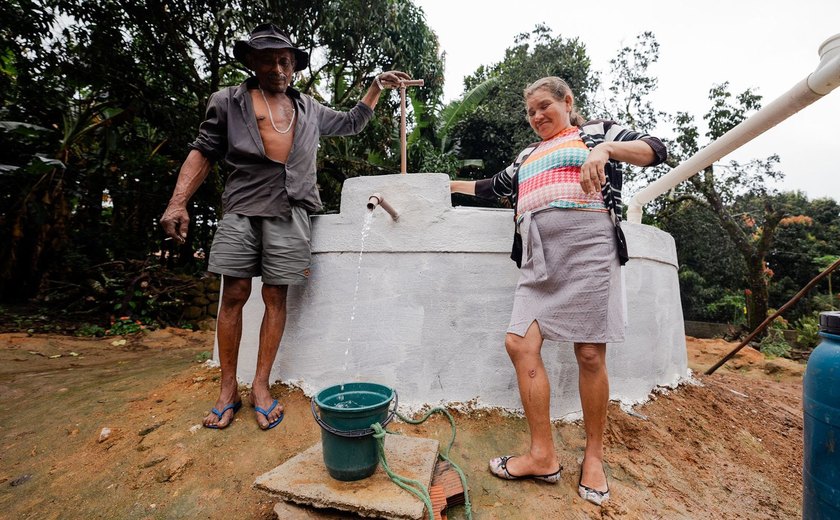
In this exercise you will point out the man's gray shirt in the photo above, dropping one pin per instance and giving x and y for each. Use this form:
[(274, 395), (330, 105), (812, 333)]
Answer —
[(260, 186)]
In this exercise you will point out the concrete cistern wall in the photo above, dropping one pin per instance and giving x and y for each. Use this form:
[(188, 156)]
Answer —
[(435, 292)]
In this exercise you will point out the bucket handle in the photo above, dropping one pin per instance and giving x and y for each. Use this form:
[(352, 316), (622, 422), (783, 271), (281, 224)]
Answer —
[(363, 432)]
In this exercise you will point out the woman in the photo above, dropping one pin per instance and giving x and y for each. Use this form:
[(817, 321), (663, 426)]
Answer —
[(565, 191)]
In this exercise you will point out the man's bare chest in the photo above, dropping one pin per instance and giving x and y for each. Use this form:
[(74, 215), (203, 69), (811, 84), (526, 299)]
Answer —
[(276, 120)]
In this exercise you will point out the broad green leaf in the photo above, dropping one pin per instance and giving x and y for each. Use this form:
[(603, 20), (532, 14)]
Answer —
[(39, 164), (453, 112), (20, 128)]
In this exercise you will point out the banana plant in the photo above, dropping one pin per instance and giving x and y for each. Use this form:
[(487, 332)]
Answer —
[(40, 215), (432, 130)]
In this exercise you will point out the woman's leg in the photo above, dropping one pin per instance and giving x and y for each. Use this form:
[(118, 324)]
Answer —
[(594, 396), (535, 393)]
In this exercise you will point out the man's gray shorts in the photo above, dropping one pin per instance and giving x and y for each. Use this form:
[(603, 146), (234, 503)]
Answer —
[(271, 247)]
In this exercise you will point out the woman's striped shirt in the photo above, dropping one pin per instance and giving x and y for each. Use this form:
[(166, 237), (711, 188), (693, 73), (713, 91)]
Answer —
[(550, 176)]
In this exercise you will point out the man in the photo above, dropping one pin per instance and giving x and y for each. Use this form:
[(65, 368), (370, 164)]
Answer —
[(268, 133)]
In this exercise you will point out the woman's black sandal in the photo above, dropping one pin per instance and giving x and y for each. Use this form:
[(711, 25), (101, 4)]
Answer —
[(498, 467)]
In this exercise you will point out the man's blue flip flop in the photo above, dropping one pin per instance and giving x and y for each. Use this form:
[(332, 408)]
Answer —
[(235, 406), (266, 412)]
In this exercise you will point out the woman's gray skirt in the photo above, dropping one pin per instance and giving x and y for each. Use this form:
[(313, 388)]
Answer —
[(570, 281)]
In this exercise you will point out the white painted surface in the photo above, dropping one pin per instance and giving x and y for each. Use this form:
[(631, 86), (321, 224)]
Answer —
[(434, 300)]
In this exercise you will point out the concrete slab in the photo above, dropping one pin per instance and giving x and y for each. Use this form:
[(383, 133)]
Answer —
[(303, 479)]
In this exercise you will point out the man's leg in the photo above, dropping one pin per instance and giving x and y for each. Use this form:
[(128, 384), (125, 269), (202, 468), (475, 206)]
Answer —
[(286, 258), (271, 331), (235, 293), (594, 389), (535, 393)]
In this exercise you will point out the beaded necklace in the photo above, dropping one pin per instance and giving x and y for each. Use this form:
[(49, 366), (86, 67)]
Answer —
[(271, 116)]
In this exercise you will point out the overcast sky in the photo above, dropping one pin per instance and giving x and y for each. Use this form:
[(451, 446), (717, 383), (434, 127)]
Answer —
[(768, 45)]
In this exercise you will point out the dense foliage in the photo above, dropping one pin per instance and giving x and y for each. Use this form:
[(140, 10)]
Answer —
[(100, 99), (497, 130)]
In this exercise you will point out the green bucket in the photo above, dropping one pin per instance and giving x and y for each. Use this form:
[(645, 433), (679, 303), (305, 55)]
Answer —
[(346, 413)]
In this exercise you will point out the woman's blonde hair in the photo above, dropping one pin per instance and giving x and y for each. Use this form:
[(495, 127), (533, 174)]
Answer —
[(559, 89)]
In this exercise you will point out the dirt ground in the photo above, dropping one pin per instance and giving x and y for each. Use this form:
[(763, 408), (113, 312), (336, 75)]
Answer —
[(729, 446)]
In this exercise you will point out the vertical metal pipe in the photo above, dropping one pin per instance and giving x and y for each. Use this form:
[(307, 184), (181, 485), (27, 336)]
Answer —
[(403, 153), (403, 159)]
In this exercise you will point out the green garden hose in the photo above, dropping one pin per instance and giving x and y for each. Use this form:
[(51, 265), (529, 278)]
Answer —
[(413, 486)]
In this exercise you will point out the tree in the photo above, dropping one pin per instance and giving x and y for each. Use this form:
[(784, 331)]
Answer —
[(368, 39), (805, 245), (628, 102), (431, 145), (115, 89), (738, 194), (497, 130), (749, 214), (631, 86), (711, 269)]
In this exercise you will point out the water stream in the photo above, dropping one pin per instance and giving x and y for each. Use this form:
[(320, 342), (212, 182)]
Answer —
[(365, 231)]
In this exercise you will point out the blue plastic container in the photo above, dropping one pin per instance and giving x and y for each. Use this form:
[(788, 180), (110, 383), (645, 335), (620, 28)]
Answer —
[(821, 404)]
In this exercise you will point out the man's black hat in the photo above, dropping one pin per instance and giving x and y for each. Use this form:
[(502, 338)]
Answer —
[(268, 36)]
